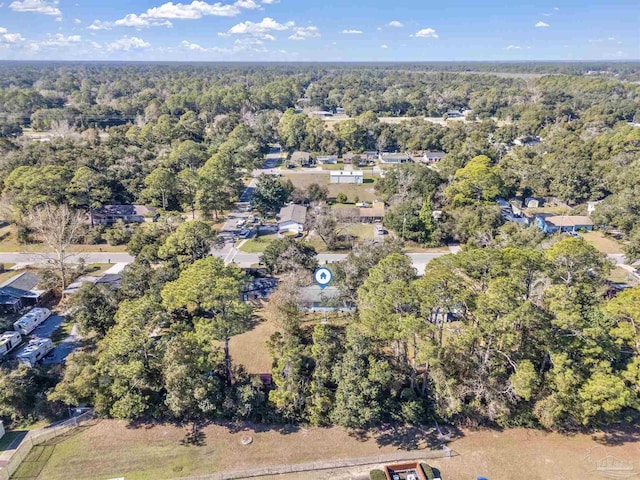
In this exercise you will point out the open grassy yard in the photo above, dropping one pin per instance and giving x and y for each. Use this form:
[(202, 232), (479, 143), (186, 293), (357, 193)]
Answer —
[(619, 275), (257, 244), (603, 243), (365, 192), (250, 349), (161, 452)]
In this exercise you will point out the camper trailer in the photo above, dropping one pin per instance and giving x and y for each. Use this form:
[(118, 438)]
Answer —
[(30, 321), (35, 351), (9, 341)]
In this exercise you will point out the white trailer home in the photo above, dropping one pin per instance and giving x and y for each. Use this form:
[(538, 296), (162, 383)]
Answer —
[(34, 351), (30, 321), (9, 341)]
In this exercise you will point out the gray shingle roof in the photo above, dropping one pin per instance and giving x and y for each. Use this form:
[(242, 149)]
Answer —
[(293, 213)]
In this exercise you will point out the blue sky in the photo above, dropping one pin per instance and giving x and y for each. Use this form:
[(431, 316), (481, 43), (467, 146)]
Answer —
[(323, 30)]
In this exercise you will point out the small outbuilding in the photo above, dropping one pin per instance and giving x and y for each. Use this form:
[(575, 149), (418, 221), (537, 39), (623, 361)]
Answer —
[(347, 176)]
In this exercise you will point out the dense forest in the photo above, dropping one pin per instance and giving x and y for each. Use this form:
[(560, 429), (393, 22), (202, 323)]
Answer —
[(537, 340)]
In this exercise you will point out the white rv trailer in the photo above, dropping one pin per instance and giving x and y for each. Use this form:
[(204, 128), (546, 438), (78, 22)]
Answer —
[(34, 351), (30, 321), (9, 341)]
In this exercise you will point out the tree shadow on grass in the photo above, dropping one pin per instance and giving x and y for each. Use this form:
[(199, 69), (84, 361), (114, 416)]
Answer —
[(282, 429), (416, 437), (618, 435), (195, 437)]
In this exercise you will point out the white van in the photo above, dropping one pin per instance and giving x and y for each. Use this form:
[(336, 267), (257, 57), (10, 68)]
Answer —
[(31, 320), (34, 351), (9, 341)]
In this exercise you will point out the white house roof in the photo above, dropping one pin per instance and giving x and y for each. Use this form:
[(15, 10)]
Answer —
[(346, 173)]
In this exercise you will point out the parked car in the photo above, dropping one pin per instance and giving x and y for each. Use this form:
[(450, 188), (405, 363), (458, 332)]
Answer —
[(245, 233), (241, 222), (380, 230)]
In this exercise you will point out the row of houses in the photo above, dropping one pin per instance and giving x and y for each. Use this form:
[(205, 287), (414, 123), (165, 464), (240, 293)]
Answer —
[(306, 159)]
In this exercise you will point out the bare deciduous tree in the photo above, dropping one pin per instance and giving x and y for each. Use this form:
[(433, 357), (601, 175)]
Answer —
[(58, 227)]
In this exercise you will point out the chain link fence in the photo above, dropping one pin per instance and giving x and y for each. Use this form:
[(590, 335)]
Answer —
[(38, 437)]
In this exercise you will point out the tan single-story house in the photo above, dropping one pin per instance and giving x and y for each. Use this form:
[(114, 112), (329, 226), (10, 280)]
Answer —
[(292, 219)]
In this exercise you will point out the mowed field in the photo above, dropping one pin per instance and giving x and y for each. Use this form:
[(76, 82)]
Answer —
[(115, 449)]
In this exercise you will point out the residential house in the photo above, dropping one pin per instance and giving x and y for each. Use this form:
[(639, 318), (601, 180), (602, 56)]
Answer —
[(350, 157), (370, 155), (301, 158), (528, 141), (433, 157), (330, 299), (259, 287), (453, 113), (110, 214), (327, 159), (292, 219), (563, 223), (373, 214), (340, 111), (321, 113), (394, 158), (21, 292), (347, 176)]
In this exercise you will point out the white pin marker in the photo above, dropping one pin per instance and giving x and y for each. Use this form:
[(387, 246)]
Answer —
[(323, 276)]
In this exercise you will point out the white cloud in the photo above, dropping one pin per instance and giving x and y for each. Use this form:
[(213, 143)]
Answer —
[(55, 41), (513, 47), (384, 46), (192, 46), (3, 30), (270, 2), (141, 21), (352, 32), (161, 16), (613, 39), (426, 33), (556, 8), (248, 4), (127, 43), (395, 24), (303, 33), (100, 25), (192, 11), (44, 7), (379, 28), (260, 29), (542, 25), (12, 37), (77, 20)]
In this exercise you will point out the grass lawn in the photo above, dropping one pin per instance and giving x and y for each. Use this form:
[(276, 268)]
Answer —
[(362, 231), (96, 269), (250, 349), (5, 276), (160, 452), (258, 244), (619, 275), (603, 243), (303, 180), (334, 166)]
